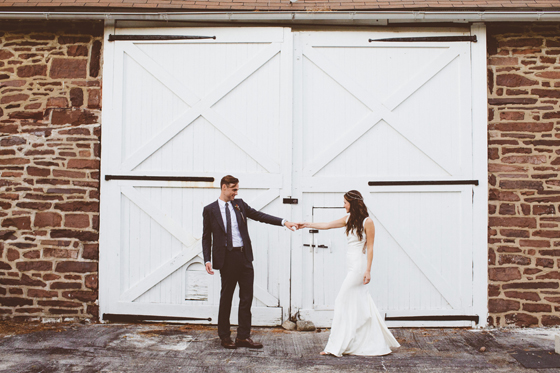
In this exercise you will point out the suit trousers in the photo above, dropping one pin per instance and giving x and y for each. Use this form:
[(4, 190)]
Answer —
[(237, 269)]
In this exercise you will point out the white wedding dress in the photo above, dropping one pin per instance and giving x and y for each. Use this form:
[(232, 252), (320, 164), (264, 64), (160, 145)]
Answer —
[(357, 327)]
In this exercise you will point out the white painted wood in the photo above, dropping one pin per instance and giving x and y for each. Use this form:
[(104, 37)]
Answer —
[(108, 230), (480, 164), (200, 109), (374, 112), (308, 115)]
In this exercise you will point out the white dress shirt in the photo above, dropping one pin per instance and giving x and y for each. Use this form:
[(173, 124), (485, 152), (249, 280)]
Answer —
[(235, 234)]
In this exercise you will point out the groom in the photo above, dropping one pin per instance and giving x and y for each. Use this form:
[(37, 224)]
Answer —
[(225, 237)]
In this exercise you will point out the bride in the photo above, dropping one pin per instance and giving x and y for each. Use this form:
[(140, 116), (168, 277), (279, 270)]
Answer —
[(357, 327)]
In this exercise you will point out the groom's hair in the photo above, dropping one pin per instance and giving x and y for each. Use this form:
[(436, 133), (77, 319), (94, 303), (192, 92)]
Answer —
[(228, 179)]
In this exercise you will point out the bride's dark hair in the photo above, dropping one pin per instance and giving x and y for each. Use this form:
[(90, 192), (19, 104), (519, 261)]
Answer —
[(358, 212)]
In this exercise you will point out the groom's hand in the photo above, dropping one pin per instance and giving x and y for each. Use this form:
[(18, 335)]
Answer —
[(291, 225), (209, 268)]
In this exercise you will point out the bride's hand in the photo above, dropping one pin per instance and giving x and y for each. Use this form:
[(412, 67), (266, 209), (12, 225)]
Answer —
[(367, 278), (303, 225)]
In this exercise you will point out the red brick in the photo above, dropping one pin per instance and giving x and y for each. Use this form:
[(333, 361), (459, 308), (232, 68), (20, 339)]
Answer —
[(522, 126), (84, 164), (34, 205), (50, 277), (48, 219), (549, 74), (91, 251), (23, 222), (59, 303), (68, 68), (512, 222), (514, 259), (535, 307), (551, 93), (502, 305), (77, 267), (61, 253), (76, 220), (12, 255), (84, 296), (501, 61), (28, 71), (94, 99), (92, 281), (544, 209), (38, 293), (78, 51), (33, 254), (514, 80), (79, 234), (547, 233), (532, 159), (508, 249), (5, 54), (69, 174), (77, 97), (550, 276), (512, 115), (550, 320), (534, 243), (498, 195), (66, 285), (512, 101), (34, 266), (37, 171), (531, 285), (57, 311), (523, 295), (545, 262), (59, 102), (13, 98), (15, 301), (521, 319), (504, 274), (85, 206), (507, 209), (73, 116)]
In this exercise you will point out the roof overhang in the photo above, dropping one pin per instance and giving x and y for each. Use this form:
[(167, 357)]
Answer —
[(303, 17)]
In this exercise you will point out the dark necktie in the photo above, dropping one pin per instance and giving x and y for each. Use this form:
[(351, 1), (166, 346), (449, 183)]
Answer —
[(228, 224)]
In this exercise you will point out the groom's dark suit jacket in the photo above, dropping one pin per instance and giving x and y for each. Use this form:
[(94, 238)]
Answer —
[(214, 238)]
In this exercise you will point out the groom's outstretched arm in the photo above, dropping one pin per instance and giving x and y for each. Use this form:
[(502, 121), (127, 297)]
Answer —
[(261, 216)]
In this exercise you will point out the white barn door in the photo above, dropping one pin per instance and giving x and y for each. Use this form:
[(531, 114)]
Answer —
[(192, 108), (388, 119)]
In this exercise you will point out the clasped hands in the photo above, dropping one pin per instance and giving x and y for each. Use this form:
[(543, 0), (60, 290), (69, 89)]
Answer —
[(297, 226)]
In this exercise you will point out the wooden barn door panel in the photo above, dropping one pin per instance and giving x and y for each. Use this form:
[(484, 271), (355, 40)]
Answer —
[(199, 108), (388, 112)]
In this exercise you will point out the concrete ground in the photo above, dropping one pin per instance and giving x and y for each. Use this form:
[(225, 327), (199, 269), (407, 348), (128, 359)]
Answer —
[(189, 348)]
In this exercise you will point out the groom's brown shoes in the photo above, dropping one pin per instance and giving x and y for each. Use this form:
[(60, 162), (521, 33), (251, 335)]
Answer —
[(228, 343), (247, 343)]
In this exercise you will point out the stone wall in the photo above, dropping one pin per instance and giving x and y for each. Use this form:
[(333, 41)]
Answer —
[(524, 164), (50, 85)]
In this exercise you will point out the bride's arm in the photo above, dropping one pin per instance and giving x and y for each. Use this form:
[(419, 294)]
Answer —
[(339, 223), (370, 237)]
